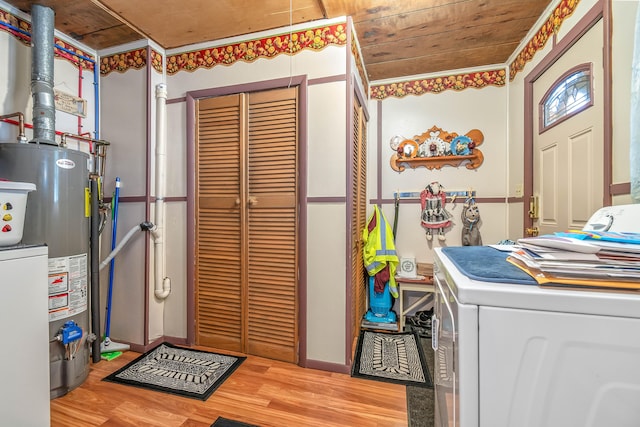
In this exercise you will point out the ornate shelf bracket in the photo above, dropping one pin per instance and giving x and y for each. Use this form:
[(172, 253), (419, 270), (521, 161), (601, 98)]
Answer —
[(436, 148)]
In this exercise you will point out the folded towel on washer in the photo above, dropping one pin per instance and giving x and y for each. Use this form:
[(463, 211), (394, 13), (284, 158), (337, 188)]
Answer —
[(487, 264)]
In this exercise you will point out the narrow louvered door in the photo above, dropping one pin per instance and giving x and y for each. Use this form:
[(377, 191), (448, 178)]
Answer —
[(271, 329), (219, 219), (358, 218)]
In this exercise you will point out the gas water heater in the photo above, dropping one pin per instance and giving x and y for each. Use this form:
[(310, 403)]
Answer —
[(57, 214)]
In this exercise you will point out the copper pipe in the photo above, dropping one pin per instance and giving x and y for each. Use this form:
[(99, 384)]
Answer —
[(97, 147), (21, 136), (85, 138)]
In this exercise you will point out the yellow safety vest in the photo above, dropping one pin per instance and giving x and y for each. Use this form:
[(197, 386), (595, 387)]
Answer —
[(379, 249)]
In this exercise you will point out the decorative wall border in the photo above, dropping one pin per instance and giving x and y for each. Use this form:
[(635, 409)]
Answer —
[(252, 50), (355, 51), (455, 82), (247, 51), (21, 30), (124, 61), (157, 61), (551, 26)]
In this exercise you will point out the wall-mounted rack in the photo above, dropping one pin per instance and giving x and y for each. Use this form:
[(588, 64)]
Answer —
[(436, 148), (453, 194)]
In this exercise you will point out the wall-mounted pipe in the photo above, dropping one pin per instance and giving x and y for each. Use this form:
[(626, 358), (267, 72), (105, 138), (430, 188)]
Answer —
[(21, 135), (95, 273), (143, 226), (162, 287)]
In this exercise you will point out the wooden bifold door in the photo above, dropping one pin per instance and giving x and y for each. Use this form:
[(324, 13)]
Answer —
[(358, 220), (246, 223)]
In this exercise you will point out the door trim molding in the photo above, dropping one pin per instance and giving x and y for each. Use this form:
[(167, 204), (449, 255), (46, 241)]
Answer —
[(601, 10), (191, 98)]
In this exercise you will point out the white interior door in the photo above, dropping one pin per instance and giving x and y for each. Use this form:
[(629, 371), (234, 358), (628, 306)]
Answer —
[(568, 157)]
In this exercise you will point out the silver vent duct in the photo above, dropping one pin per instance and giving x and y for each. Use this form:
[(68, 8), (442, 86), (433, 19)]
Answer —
[(44, 112)]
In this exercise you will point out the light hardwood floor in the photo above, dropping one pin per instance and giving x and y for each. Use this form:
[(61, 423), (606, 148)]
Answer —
[(261, 391)]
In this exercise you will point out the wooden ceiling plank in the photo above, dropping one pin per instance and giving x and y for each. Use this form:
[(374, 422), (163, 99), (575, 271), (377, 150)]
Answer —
[(446, 42), (83, 21), (363, 10), (436, 63), (457, 17), (173, 24)]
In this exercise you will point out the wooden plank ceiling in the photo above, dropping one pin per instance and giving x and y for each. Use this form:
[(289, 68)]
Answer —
[(397, 38)]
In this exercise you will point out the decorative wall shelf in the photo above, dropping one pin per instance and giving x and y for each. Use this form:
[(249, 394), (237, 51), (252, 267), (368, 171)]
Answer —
[(436, 148)]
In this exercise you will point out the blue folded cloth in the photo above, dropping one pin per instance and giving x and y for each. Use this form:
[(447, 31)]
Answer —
[(487, 264)]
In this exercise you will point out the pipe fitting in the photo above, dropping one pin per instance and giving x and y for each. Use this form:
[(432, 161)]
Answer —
[(166, 289), (22, 138), (147, 226), (161, 90)]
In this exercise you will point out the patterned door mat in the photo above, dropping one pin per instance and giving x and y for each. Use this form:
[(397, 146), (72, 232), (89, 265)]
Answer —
[(391, 357), (225, 422), (190, 373)]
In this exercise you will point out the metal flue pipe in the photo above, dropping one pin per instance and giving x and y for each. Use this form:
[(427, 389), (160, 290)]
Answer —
[(42, 39)]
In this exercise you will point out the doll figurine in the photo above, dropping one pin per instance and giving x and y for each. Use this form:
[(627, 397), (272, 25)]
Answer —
[(434, 216)]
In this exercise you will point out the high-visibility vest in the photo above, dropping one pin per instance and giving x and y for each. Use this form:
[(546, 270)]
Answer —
[(379, 249)]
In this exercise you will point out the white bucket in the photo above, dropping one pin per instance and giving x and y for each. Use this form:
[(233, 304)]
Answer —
[(13, 204)]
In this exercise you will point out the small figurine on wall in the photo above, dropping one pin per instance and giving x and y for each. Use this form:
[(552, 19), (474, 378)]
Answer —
[(434, 215), (470, 217)]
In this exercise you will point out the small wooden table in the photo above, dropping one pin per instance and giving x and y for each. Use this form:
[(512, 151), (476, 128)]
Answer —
[(415, 285)]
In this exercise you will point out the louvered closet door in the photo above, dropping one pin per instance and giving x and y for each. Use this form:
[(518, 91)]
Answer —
[(219, 219), (272, 219), (358, 218), (246, 229)]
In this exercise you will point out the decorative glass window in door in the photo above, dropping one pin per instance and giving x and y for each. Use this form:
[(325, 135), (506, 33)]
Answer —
[(569, 95)]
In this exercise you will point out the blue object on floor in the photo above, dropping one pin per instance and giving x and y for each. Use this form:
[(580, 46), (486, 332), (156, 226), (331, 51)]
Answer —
[(380, 304)]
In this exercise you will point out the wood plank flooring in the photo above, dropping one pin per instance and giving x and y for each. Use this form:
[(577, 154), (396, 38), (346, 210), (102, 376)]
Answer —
[(261, 391)]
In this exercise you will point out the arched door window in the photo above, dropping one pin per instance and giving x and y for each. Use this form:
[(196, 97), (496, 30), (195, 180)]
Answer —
[(569, 95)]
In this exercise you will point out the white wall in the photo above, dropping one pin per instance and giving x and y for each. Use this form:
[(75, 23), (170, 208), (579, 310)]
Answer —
[(124, 123), (128, 122), (326, 236), (459, 112), (175, 320), (15, 83), (624, 16)]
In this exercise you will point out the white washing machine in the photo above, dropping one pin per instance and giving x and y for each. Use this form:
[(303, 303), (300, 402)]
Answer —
[(509, 353), (24, 360)]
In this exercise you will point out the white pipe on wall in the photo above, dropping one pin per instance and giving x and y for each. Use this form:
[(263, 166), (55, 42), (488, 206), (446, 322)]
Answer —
[(162, 287)]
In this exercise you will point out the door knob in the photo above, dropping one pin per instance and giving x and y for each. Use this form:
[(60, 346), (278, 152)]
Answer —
[(253, 201), (533, 231), (237, 201)]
